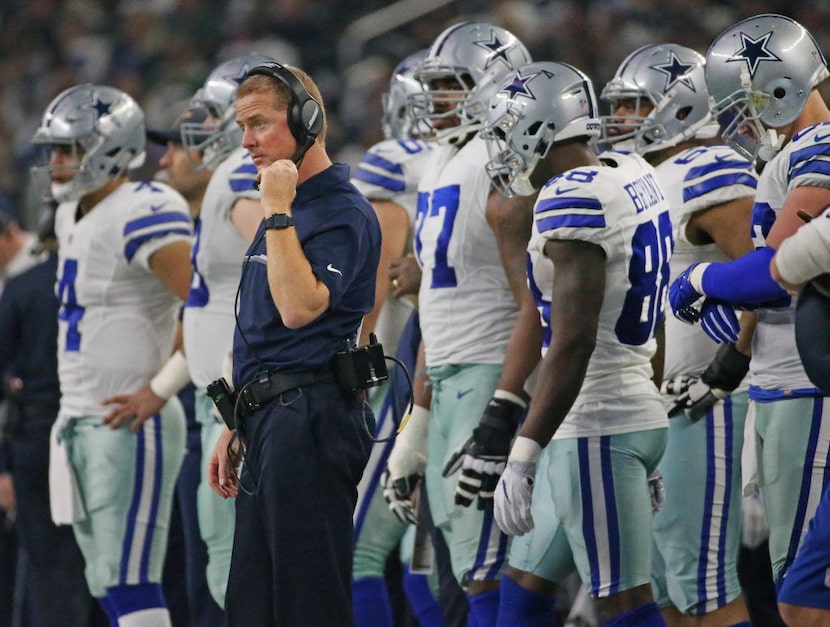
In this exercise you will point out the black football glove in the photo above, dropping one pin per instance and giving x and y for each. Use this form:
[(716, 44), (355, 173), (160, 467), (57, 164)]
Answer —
[(483, 456), (718, 381)]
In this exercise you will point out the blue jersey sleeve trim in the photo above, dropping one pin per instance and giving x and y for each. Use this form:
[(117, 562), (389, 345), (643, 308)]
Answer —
[(136, 242), (384, 164), (734, 178), (572, 220), (744, 280), (155, 220), (381, 181), (550, 204)]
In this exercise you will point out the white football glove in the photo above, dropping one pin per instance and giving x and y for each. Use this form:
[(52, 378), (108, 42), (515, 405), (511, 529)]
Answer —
[(514, 492), (406, 465)]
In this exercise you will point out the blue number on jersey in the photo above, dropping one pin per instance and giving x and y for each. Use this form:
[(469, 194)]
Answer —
[(411, 146), (648, 274), (70, 311), (199, 294), (690, 156), (444, 205)]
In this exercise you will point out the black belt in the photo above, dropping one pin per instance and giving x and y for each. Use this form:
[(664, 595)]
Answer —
[(269, 385)]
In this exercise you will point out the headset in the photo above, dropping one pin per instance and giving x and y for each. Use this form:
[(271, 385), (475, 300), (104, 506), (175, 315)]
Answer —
[(305, 115)]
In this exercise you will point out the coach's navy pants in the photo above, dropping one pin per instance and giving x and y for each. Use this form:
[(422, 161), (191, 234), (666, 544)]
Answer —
[(292, 549)]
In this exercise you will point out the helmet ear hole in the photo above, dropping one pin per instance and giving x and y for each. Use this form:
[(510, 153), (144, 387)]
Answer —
[(779, 93)]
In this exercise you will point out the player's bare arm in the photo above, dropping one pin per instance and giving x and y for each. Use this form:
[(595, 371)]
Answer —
[(578, 290), (246, 216), (171, 264), (394, 228), (810, 200)]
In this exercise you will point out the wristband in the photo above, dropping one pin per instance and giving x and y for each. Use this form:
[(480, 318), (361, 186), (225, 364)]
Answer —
[(696, 277), (525, 450), (504, 395), (172, 377)]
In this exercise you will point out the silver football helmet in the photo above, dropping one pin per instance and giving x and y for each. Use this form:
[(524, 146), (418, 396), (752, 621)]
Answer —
[(461, 70), (395, 120), (670, 78), (103, 127), (760, 73), (219, 135), (538, 105)]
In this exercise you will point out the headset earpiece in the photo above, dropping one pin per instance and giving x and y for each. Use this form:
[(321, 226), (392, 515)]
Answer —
[(305, 115)]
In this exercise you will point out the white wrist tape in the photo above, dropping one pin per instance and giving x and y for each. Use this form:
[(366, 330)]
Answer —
[(696, 277), (805, 254), (173, 376), (525, 450), (409, 455), (509, 396)]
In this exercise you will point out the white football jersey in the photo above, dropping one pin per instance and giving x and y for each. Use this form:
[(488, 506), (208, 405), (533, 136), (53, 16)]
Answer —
[(391, 169), (804, 161), (620, 207), (218, 250), (117, 319), (466, 306), (694, 180)]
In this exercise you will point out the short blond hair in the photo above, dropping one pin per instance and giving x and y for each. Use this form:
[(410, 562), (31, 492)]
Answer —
[(262, 83)]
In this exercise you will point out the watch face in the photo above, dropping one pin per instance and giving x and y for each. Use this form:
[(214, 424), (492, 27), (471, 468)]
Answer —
[(278, 221)]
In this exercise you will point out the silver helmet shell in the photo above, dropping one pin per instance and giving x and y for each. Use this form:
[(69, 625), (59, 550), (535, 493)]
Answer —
[(535, 107), (395, 121), (760, 73), (461, 70), (103, 126), (670, 78), (219, 135)]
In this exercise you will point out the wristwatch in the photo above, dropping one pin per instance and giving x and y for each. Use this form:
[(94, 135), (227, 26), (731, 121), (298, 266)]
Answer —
[(279, 221)]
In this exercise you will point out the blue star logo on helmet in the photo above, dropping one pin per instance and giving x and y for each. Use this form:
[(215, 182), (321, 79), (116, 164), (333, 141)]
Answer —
[(103, 108), (240, 75), (497, 49), (519, 86), (753, 51), (676, 72)]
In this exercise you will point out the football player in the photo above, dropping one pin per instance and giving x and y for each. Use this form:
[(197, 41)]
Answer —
[(763, 74), (388, 176), (660, 110), (123, 271), (227, 220), (575, 488), (470, 245)]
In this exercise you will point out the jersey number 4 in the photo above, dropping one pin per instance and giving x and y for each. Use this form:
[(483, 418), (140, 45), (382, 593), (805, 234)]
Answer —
[(70, 312)]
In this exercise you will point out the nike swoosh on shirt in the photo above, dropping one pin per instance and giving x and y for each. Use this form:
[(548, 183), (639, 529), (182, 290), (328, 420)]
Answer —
[(331, 268), (563, 190), (459, 395), (820, 138)]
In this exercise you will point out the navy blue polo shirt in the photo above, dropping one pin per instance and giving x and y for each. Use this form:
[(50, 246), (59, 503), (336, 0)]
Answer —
[(340, 236)]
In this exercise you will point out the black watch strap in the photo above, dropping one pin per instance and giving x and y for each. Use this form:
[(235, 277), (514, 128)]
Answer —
[(279, 221)]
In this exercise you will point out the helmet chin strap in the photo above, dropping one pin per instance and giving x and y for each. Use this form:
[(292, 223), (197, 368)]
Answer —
[(521, 185), (771, 142)]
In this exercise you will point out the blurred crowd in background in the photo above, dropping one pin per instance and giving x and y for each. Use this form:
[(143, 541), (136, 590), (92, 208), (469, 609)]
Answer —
[(160, 51)]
